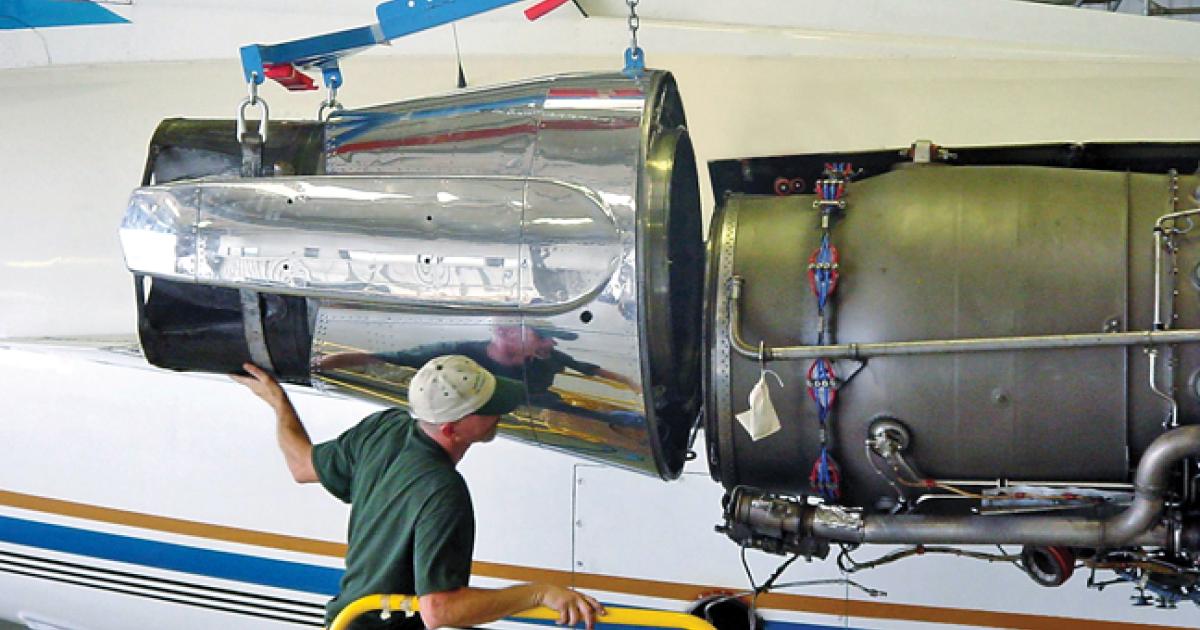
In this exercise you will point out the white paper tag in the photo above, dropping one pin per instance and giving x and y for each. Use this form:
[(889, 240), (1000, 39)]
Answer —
[(760, 420)]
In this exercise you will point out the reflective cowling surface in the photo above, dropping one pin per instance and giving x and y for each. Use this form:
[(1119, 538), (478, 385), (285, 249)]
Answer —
[(158, 235), (603, 380), (455, 242), (549, 229)]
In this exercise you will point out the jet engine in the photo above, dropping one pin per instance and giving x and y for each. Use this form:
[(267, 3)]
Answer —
[(990, 347), (917, 347)]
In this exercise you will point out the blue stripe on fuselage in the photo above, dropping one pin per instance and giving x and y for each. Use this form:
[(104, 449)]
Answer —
[(219, 564), (222, 564)]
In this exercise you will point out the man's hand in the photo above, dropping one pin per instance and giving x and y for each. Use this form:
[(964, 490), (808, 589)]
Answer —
[(573, 607), (262, 384), (289, 431)]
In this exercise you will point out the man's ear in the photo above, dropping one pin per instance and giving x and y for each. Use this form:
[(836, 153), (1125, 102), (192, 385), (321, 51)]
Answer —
[(448, 429)]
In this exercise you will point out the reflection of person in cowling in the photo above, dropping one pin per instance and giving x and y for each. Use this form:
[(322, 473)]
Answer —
[(526, 353)]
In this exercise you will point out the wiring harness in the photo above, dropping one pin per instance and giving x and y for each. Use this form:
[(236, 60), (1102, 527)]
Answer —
[(823, 274)]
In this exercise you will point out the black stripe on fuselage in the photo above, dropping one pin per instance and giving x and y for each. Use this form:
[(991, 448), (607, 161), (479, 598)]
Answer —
[(162, 589)]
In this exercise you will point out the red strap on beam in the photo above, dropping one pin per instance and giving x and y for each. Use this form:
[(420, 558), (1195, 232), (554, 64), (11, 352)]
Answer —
[(289, 77), (542, 8)]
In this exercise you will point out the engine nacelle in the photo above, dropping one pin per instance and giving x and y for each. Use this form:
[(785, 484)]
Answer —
[(548, 229)]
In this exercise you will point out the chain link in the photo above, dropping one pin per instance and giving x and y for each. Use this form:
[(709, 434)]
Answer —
[(252, 88), (634, 23), (329, 105)]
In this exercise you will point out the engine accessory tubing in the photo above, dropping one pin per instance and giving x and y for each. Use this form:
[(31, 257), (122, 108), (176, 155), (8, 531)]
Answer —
[(791, 520), (1133, 526), (1163, 241), (860, 351)]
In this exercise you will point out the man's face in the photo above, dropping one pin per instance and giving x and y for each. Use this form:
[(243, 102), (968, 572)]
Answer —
[(537, 346), (517, 343)]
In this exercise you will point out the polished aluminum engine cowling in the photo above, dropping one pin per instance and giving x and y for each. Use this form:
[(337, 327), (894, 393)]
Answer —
[(1062, 259), (549, 229)]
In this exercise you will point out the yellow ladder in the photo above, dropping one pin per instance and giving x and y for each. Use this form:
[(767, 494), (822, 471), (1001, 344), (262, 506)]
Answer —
[(614, 615)]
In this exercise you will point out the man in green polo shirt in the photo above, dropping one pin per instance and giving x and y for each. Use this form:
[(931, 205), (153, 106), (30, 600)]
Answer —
[(412, 526)]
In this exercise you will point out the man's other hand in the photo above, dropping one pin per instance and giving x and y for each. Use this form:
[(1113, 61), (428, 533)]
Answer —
[(573, 607)]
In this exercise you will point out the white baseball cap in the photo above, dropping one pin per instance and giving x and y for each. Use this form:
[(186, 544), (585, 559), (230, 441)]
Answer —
[(452, 386)]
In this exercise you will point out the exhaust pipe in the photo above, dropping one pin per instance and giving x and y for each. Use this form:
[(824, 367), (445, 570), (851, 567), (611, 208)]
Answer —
[(755, 518), (1150, 484), (972, 530)]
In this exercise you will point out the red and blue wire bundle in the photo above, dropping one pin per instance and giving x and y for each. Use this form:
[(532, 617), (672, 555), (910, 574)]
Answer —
[(825, 477), (823, 271), (822, 388)]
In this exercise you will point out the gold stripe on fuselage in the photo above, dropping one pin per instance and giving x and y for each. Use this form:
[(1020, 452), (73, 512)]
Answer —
[(588, 581)]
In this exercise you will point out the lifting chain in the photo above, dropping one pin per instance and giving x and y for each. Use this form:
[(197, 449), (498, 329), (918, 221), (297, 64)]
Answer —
[(635, 60), (634, 23), (329, 105), (252, 100), (252, 142)]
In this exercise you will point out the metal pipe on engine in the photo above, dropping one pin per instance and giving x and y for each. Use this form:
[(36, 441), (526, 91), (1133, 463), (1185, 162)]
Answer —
[(859, 351), (1159, 233), (972, 530), (1161, 242), (1172, 419), (1150, 483), (1134, 526)]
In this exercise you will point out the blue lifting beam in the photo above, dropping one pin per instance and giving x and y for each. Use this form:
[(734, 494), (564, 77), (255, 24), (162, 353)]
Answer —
[(397, 18)]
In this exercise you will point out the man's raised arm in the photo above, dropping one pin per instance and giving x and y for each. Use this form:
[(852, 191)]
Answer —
[(293, 439)]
